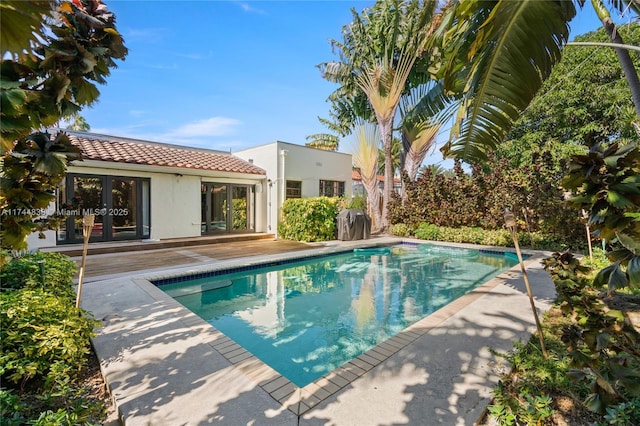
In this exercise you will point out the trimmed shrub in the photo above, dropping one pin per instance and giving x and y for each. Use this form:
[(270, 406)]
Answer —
[(478, 199), (24, 272), (401, 230), (498, 237), (309, 219), (43, 336), (426, 231)]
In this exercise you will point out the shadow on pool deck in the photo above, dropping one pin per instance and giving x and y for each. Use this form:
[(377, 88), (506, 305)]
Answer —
[(162, 369)]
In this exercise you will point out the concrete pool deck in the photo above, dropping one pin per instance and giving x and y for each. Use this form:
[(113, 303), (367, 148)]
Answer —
[(165, 366)]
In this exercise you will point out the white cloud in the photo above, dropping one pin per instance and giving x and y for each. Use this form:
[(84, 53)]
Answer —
[(214, 126), (151, 35), (248, 8), (204, 133)]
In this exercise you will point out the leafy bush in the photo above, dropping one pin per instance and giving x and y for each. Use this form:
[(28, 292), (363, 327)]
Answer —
[(66, 405), (498, 237), (478, 199), (606, 182), (426, 231), (43, 336), (401, 230), (623, 414), (24, 272), (309, 219), (603, 347), (358, 202)]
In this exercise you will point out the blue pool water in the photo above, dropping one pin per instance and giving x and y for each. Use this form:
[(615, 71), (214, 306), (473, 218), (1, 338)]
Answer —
[(308, 317)]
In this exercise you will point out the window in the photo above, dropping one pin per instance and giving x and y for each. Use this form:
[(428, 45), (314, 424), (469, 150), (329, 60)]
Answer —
[(294, 189), (331, 188)]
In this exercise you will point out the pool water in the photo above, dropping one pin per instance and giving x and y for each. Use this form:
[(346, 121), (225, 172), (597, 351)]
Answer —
[(308, 317)]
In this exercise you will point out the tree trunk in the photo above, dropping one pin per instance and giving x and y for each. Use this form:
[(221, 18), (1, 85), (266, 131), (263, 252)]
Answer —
[(623, 54), (386, 132), (373, 201)]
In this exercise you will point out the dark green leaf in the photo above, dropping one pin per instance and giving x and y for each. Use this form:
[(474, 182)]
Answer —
[(633, 270), (617, 278)]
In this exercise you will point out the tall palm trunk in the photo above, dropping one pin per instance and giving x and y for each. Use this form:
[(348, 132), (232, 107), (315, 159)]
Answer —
[(373, 201), (623, 54), (386, 131)]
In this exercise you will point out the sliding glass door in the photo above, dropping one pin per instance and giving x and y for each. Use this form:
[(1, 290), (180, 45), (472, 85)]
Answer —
[(120, 205), (226, 208)]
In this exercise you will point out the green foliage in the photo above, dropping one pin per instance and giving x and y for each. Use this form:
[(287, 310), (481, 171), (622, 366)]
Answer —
[(622, 414), (309, 219), (358, 202), (522, 396), (400, 230), (57, 79), (478, 200), (483, 43), (239, 213), (41, 84), (43, 336), (606, 184), (603, 347), (427, 231), (31, 173), (56, 274), (11, 408), (65, 405), (475, 235), (585, 100), (525, 409)]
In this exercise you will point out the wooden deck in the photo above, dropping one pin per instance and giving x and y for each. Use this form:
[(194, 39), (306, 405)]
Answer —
[(117, 263)]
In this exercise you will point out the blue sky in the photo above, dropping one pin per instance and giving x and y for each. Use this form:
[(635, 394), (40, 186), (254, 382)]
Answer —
[(226, 75)]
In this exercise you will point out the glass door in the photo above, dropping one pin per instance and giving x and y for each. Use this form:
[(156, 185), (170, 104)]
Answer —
[(120, 205), (239, 208), (226, 208), (88, 197), (123, 211)]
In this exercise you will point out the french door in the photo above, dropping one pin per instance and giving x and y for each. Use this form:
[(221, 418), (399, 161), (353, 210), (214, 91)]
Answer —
[(120, 205), (226, 208)]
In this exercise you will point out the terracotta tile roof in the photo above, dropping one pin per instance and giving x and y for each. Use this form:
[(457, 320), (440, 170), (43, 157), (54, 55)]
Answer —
[(122, 150), (355, 175)]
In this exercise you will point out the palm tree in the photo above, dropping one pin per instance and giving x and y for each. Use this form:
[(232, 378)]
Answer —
[(498, 54), (364, 150), (423, 111), (376, 59), (396, 155), (325, 141)]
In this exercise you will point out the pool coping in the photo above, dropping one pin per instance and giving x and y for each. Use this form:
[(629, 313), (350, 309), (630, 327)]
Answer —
[(301, 400)]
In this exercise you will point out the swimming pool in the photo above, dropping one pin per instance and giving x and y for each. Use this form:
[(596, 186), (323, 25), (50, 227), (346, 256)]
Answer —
[(305, 318)]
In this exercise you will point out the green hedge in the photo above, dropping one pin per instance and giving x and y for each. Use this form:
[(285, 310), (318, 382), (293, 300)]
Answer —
[(309, 219), (43, 336), (475, 235), (45, 343), (24, 272)]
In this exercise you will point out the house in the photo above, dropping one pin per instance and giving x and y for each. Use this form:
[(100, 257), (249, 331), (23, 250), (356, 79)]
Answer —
[(358, 188), (296, 171), (143, 190)]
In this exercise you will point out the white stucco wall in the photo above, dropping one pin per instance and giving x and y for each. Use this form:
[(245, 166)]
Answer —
[(175, 197), (301, 163)]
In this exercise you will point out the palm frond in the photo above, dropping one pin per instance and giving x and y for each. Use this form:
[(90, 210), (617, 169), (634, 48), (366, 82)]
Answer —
[(325, 141), (364, 147), (624, 5), (506, 49)]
